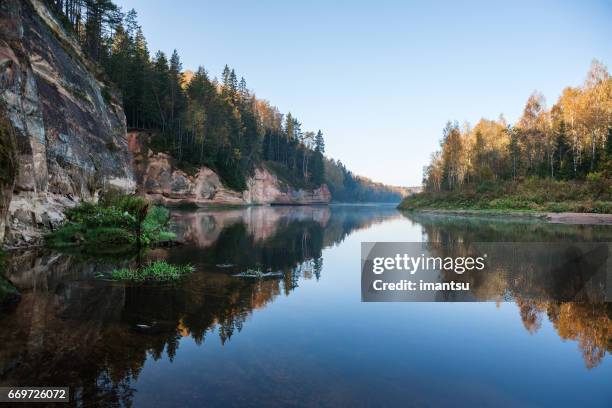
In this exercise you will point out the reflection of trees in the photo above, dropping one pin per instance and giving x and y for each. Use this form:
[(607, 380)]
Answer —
[(45, 342), (588, 323), (454, 229), (531, 315), (71, 329)]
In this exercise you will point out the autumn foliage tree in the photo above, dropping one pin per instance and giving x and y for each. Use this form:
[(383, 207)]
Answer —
[(570, 141)]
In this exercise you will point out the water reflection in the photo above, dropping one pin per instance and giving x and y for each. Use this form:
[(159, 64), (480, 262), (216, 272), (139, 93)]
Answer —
[(587, 322), (102, 338), (71, 329)]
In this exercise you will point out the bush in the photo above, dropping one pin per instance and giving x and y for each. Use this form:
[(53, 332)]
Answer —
[(154, 226), (116, 220), (598, 183), (106, 236)]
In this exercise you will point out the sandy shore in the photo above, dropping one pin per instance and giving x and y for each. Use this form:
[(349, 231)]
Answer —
[(579, 218), (553, 218)]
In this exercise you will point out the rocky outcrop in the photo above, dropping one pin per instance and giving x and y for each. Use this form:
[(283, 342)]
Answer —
[(160, 180), (264, 187), (69, 127), (64, 128)]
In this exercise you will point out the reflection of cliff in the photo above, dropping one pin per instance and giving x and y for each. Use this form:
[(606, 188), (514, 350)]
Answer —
[(268, 238), (202, 228), (95, 336), (522, 273)]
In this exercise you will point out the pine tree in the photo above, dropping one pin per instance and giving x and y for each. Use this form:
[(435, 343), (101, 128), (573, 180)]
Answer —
[(131, 24), (225, 77), (318, 161), (243, 92), (319, 142), (160, 88), (233, 83), (175, 87)]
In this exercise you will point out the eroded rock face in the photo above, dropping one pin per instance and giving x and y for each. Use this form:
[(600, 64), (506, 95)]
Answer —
[(69, 127), (70, 136), (265, 188), (163, 183)]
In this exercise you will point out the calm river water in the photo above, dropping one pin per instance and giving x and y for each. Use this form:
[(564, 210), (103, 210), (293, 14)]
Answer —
[(304, 339)]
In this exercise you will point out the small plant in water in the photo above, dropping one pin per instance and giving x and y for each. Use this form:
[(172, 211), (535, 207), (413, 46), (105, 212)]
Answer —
[(258, 274), (255, 273), (158, 271)]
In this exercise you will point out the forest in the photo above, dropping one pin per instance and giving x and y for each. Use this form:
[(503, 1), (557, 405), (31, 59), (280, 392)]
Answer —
[(202, 120), (554, 159)]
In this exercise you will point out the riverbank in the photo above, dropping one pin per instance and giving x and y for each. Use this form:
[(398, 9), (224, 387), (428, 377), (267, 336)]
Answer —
[(571, 218), (531, 195)]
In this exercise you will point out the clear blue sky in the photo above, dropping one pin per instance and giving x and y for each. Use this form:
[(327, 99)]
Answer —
[(381, 78)]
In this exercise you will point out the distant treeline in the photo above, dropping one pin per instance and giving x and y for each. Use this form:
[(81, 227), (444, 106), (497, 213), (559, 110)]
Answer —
[(570, 141), (201, 120)]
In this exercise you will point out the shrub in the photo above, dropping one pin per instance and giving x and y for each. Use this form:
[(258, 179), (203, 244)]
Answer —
[(116, 220), (598, 183), (153, 227)]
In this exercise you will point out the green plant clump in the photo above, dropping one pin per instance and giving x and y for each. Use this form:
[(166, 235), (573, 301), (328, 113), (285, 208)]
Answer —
[(116, 221), (158, 271)]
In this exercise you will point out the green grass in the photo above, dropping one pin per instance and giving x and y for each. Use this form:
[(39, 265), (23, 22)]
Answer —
[(158, 271), (531, 195), (115, 222)]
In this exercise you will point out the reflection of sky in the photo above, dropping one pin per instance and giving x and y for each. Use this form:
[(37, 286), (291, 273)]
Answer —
[(322, 344)]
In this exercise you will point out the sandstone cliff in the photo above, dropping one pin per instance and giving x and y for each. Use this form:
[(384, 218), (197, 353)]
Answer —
[(69, 127), (63, 137), (160, 180)]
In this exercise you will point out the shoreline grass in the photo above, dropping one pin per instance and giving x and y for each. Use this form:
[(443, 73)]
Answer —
[(158, 271), (527, 196)]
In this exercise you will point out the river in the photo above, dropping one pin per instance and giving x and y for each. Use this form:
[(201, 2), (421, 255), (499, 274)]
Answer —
[(303, 339)]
